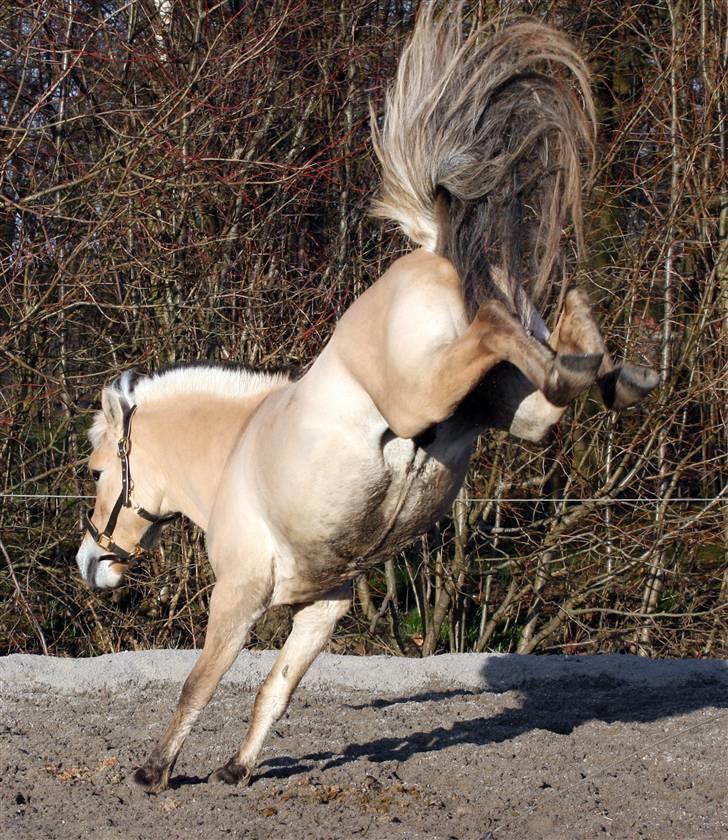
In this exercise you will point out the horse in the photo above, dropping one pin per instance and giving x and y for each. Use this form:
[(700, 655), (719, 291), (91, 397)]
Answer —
[(301, 484)]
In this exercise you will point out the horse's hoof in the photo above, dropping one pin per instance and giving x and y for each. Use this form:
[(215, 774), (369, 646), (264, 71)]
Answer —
[(571, 375), (149, 779), (232, 773), (627, 385)]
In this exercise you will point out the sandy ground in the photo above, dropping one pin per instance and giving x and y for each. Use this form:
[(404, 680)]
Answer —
[(454, 747)]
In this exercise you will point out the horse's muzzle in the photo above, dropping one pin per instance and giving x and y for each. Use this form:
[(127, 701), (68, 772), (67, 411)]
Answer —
[(99, 571)]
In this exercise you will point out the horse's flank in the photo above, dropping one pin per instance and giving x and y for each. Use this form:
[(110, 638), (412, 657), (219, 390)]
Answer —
[(321, 475)]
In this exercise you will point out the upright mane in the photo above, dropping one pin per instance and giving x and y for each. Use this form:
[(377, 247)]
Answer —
[(228, 381), (232, 382)]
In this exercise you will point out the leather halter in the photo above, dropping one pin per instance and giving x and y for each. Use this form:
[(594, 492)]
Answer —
[(124, 499)]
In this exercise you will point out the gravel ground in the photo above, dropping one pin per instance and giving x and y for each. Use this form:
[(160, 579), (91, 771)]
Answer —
[(453, 747)]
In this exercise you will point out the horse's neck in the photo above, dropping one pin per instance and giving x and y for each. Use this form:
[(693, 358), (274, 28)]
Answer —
[(192, 439)]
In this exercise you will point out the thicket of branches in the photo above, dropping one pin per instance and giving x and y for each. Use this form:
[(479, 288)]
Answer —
[(191, 181)]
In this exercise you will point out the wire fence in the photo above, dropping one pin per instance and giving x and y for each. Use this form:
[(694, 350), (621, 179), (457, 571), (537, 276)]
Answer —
[(470, 499), (223, 195)]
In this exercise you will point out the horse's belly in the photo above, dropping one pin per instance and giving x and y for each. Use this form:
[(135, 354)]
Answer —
[(369, 522)]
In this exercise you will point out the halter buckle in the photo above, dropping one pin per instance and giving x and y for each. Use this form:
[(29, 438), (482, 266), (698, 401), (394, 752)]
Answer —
[(105, 541)]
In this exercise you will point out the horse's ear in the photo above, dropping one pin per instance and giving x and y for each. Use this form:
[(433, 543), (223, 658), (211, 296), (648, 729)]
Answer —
[(113, 408)]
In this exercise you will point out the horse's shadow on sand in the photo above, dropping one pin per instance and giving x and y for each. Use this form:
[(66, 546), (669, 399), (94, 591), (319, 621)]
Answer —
[(555, 706)]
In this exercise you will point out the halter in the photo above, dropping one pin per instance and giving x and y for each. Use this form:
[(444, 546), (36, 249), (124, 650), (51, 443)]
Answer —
[(124, 499)]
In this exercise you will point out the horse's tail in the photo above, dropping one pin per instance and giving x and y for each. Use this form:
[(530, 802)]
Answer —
[(482, 150)]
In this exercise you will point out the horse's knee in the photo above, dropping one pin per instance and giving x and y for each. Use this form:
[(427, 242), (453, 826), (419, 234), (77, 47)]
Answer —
[(274, 695)]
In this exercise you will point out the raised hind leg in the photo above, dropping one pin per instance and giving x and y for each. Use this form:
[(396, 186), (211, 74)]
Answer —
[(506, 399), (560, 375), (233, 611), (577, 332), (312, 629), (455, 370), (422, 361)]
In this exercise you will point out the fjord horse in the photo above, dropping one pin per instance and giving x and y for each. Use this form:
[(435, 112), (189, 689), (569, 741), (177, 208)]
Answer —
[(301, 485)]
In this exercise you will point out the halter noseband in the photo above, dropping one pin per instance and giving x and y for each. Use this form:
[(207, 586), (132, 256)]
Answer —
[(124, 499)]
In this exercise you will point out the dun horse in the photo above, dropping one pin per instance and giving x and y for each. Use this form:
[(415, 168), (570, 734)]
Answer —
[(303, 484)]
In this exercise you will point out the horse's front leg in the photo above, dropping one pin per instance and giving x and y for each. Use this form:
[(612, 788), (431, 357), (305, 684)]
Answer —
[(312, 629), (233, 611), (577, 332)]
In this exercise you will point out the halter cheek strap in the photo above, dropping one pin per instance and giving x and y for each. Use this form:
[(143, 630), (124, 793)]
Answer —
[(124, 499)]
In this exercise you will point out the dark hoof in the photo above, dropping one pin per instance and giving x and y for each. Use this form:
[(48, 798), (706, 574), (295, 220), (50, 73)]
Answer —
[(627, 385), (571, 375), (149, 779), (232, 773)]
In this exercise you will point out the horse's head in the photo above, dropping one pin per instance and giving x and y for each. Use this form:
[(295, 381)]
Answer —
[(120, 528)]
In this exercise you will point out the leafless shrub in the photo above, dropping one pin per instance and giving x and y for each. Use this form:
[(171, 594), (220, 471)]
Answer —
[(184, 183)]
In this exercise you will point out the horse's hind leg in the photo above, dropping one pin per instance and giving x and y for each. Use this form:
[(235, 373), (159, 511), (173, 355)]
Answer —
[(561, 376), (232, 614), (312, 629), (577, 333)]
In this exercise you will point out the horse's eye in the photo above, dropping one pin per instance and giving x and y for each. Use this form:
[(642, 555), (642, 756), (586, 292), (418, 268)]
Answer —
[(96, 474)]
